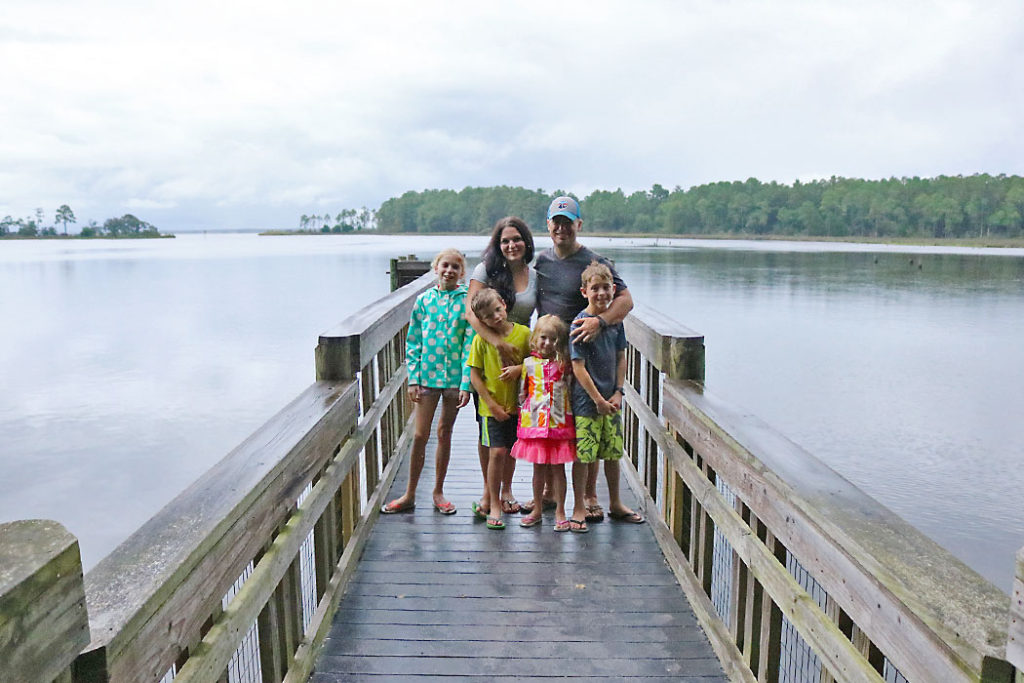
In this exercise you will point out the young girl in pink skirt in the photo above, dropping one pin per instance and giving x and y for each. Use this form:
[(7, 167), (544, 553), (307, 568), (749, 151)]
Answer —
[(546, 432)]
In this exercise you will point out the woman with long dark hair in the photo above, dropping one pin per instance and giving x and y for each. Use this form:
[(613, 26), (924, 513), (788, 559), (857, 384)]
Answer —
[(505, 267)]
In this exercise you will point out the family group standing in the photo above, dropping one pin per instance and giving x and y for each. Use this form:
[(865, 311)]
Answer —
[(550, 396)]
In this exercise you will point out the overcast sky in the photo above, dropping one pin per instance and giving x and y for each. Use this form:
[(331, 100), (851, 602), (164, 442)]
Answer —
[(203, 115)]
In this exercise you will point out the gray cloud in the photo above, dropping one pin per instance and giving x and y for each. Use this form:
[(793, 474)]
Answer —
[(198, 116)]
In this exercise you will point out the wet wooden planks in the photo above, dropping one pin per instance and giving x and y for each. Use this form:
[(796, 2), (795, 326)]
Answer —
[(444, 597)]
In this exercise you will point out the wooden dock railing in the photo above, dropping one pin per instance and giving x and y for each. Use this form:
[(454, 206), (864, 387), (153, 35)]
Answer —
[(43, 625), (235, 579), (796, 574)]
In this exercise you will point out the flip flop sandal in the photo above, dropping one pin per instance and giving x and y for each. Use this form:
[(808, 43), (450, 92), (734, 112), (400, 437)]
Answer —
[(511, 506), (578, 526), (527, 522), (478, 511), (495, 523), (562, 526), (628, 517), (595, 513), (446, 508), (392, 509)]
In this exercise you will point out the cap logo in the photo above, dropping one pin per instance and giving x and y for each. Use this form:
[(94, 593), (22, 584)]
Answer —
[(563, 205)]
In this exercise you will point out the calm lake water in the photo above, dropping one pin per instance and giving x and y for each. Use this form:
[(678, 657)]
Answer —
[(128, 368)]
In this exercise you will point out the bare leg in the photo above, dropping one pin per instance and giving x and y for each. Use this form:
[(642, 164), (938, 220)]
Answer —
[(579, 482), (506, 478), (556, 476), (615, 504), (545, 495), (484, 453), (421, 433), (590, 493), (449, 411), (539, 475), (495, 467)]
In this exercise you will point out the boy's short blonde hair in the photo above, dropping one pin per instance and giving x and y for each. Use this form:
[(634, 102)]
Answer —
[(483, 300), (451, 253), (596, 271)]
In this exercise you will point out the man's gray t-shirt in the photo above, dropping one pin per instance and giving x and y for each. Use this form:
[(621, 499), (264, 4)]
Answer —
[(600, 357), (558, 282)]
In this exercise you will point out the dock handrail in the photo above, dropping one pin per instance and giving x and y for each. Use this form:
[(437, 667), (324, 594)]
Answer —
[(43, 624), (242, 569), (795, 573)]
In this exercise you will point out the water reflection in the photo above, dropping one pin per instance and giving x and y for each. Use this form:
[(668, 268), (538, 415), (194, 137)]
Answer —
[(129, 369)]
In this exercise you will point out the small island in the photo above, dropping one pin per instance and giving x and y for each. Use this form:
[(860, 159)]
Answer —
[(125, 227)]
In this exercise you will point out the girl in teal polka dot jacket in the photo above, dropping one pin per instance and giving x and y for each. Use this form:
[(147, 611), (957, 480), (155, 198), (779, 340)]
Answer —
[(436, 350)]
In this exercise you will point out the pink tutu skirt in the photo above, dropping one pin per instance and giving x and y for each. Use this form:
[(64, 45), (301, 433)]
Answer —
[(545, 451)]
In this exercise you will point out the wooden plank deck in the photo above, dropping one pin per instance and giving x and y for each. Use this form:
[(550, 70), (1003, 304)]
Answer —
[(444, 597)]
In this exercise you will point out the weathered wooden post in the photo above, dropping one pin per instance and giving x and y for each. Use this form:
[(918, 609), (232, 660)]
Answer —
[(43, 622), (405, 269), (1015, 634)]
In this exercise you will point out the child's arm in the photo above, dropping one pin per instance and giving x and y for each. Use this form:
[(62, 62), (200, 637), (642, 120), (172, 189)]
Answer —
[(522, 386), (579, 371), (513, 372), (413, 351), (477, 378), (467, 346), (510, 373), (620, 378)]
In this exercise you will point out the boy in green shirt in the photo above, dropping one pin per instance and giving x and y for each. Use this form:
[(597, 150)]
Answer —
[(498, 388)]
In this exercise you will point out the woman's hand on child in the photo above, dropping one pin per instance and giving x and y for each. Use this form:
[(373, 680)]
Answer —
[(510, 355), (414, 393), (463, 398)]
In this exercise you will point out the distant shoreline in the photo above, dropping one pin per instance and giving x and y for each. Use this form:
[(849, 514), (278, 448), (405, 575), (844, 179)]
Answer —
[(980, 242), (79, 237)]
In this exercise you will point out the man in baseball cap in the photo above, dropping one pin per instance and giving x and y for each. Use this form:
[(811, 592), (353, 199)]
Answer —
[(559, 270), (564, 206), (559, 280)]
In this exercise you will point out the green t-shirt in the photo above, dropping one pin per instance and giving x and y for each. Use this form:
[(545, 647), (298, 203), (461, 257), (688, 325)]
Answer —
[(485, 357)]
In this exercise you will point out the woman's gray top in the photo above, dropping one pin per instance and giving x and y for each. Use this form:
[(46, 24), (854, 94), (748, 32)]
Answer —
[(526, 300)]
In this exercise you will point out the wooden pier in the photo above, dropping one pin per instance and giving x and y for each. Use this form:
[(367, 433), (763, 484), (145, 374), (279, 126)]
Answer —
[(276, 564), (444, 596)]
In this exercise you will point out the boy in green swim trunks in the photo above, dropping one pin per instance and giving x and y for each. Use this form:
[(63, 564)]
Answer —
[(599, 366)]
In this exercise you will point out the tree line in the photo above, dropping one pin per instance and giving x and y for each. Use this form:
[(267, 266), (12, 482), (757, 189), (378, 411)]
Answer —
[(33, 226), (347, 220), (979, 205)]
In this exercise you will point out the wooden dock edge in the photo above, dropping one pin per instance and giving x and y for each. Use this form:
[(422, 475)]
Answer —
[(718, 634)]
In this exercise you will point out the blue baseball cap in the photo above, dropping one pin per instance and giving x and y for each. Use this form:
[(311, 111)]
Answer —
[(564, 206)]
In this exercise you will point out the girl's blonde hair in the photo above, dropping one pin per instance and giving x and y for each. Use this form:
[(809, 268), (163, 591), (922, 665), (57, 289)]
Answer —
[(553, 326), (452, 253)]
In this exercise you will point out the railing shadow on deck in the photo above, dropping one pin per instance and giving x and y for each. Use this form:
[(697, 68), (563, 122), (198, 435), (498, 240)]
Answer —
[(795, 574)]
